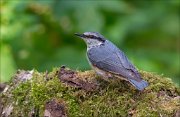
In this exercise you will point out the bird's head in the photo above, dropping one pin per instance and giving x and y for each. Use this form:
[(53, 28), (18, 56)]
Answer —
[(92, 39)]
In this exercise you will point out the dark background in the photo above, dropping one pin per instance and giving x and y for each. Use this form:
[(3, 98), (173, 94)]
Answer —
[(39, 34)]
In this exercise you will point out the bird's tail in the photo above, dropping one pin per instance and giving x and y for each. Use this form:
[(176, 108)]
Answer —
[(139, 85)]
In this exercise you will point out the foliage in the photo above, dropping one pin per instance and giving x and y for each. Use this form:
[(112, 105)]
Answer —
[(40, 34)]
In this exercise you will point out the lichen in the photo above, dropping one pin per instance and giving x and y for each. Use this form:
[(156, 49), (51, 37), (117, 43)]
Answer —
[(119, 98)]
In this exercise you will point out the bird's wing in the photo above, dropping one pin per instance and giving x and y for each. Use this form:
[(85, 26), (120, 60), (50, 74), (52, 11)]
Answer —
[(109, 58)]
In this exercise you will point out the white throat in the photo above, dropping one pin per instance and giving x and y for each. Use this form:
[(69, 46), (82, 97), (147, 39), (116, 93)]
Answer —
[(92, 43)]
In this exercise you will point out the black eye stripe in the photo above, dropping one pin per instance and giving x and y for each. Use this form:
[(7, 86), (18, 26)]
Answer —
[(94, 37), (90, 36)]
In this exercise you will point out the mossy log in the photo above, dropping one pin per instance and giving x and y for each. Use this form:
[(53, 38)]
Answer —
[(67, 93)]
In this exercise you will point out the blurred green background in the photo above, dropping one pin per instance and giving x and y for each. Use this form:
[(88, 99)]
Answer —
[(39, 34)]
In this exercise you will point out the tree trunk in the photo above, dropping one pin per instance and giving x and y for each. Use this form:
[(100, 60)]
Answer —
[(67, 93)]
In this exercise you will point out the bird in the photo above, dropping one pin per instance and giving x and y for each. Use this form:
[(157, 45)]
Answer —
[(109, 61)]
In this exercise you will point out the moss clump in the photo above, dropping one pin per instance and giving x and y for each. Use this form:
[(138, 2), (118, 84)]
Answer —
[(118, 98)]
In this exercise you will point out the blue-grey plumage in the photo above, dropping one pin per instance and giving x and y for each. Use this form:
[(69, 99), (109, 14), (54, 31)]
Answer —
[(107, 57)]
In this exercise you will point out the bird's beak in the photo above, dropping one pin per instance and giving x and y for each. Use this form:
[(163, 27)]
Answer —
[(79, 35)]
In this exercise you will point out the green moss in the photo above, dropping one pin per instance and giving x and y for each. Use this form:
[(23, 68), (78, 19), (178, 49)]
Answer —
[(110, 99)]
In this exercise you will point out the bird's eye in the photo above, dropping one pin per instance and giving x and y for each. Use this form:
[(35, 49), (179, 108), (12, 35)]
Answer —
[(90, 36)]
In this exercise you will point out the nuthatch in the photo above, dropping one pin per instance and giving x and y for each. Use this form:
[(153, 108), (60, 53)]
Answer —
[(108, 60)]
